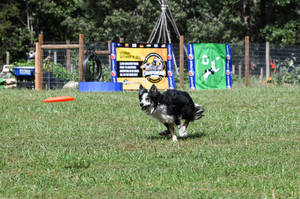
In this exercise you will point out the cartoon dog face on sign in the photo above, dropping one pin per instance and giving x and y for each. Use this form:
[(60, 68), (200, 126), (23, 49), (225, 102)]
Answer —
[(153, 68)]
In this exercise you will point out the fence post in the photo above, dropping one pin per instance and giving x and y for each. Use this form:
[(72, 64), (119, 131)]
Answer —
[(37, 67), (81, 56), (108, 49), (68, 57), (247, 61), (181, 60), (267, 60), (40, 62)]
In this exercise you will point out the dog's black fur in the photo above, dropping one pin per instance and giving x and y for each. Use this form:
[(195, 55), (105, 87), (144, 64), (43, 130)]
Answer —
[(170, 108)]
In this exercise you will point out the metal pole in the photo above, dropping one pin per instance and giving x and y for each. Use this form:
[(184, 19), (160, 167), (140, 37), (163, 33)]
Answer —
[(181, 61), (7, 57)]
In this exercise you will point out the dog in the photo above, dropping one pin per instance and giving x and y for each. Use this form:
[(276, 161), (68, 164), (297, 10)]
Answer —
[(170, 108)]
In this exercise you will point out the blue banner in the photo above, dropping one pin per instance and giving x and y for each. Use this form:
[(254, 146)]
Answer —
[(113, 61)]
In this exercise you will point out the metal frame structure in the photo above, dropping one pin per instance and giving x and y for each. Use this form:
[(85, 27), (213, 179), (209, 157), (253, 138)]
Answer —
[(161, 26), (161, 30)]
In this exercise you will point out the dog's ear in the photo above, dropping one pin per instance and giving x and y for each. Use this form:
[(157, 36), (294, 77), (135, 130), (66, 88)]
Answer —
[(153, 88), (142, 90), (153, 91)]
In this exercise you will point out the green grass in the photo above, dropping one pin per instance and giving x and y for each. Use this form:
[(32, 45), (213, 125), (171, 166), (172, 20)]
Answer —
[(103, 146)]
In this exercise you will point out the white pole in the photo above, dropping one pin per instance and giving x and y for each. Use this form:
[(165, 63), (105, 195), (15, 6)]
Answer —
[(267, 60), (261, 74), (7, 57), (55, 57), (240, 71), (233, 69)]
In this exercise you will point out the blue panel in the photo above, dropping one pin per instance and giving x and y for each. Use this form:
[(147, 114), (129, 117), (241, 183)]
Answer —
[(113, 61), (228, 67), (191, 65), (170, 73), (100, 86)]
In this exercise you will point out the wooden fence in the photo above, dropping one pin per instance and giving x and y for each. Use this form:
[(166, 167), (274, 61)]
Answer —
[(40, 47)]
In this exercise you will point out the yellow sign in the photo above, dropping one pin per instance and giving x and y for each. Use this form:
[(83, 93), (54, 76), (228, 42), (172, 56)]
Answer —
[(145, 64)]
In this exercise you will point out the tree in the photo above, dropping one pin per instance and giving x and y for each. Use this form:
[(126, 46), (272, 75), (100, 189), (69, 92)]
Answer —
[(22, 21), (280, 22), (132, 20), (277, 21), (13, 36)]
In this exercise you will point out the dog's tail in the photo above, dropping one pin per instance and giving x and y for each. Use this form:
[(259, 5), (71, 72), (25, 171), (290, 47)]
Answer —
[(198, 113)]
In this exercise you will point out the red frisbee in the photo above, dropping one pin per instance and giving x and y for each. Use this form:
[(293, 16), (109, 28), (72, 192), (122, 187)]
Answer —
[(59, 99)]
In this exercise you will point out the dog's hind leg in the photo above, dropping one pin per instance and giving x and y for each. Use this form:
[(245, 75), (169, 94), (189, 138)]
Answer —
[(166, 132)]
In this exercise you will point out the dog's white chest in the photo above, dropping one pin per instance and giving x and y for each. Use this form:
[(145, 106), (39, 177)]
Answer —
[(160, 113)]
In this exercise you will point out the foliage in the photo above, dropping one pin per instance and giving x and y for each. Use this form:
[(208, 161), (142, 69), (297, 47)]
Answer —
[(288, 71), (24, 63), (13, 36), (106, 74), (199, 20), (286, 34), (58, 70)]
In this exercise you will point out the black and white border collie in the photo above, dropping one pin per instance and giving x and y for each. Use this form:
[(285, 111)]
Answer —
[(170, 108)]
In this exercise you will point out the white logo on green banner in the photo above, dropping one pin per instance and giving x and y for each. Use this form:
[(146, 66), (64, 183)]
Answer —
[(209, 66)]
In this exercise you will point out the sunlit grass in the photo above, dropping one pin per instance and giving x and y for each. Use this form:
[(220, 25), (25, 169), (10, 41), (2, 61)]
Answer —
[(103, 146)]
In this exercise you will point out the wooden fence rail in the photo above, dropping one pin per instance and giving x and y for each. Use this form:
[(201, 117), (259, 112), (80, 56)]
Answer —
[(40, 47)]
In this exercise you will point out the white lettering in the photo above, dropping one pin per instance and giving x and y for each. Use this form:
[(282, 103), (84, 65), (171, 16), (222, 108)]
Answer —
[(205, 60)]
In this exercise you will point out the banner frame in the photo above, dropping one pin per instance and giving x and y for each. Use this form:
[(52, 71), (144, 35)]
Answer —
[(169, 61), (192, 67)]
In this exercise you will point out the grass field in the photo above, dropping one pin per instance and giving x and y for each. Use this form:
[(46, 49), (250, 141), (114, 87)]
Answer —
[(103, 146)]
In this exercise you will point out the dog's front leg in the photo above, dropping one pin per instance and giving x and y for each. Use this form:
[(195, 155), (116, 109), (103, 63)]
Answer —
[(184, 127), (171, 129)]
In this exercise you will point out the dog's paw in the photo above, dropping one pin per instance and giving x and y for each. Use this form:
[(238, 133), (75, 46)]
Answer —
[(183, 135), (174, 138), (164, 133), (182, 131)]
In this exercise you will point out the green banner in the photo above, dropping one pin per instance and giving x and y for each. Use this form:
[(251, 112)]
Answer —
[(210, 66)]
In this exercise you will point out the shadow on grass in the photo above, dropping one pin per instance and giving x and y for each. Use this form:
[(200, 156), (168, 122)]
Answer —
[(189, 136)]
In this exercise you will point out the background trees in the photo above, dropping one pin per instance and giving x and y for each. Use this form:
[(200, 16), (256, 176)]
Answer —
[(277, 21)]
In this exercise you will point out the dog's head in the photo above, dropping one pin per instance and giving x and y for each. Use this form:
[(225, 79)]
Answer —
[(148, 99)]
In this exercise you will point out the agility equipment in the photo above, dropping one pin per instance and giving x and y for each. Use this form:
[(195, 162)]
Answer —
[(134, 64), (100, 86), (161, 30), (59, 99), (92, 68)]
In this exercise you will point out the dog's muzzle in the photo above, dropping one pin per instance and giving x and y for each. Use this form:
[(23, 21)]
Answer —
[(144, 107)]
